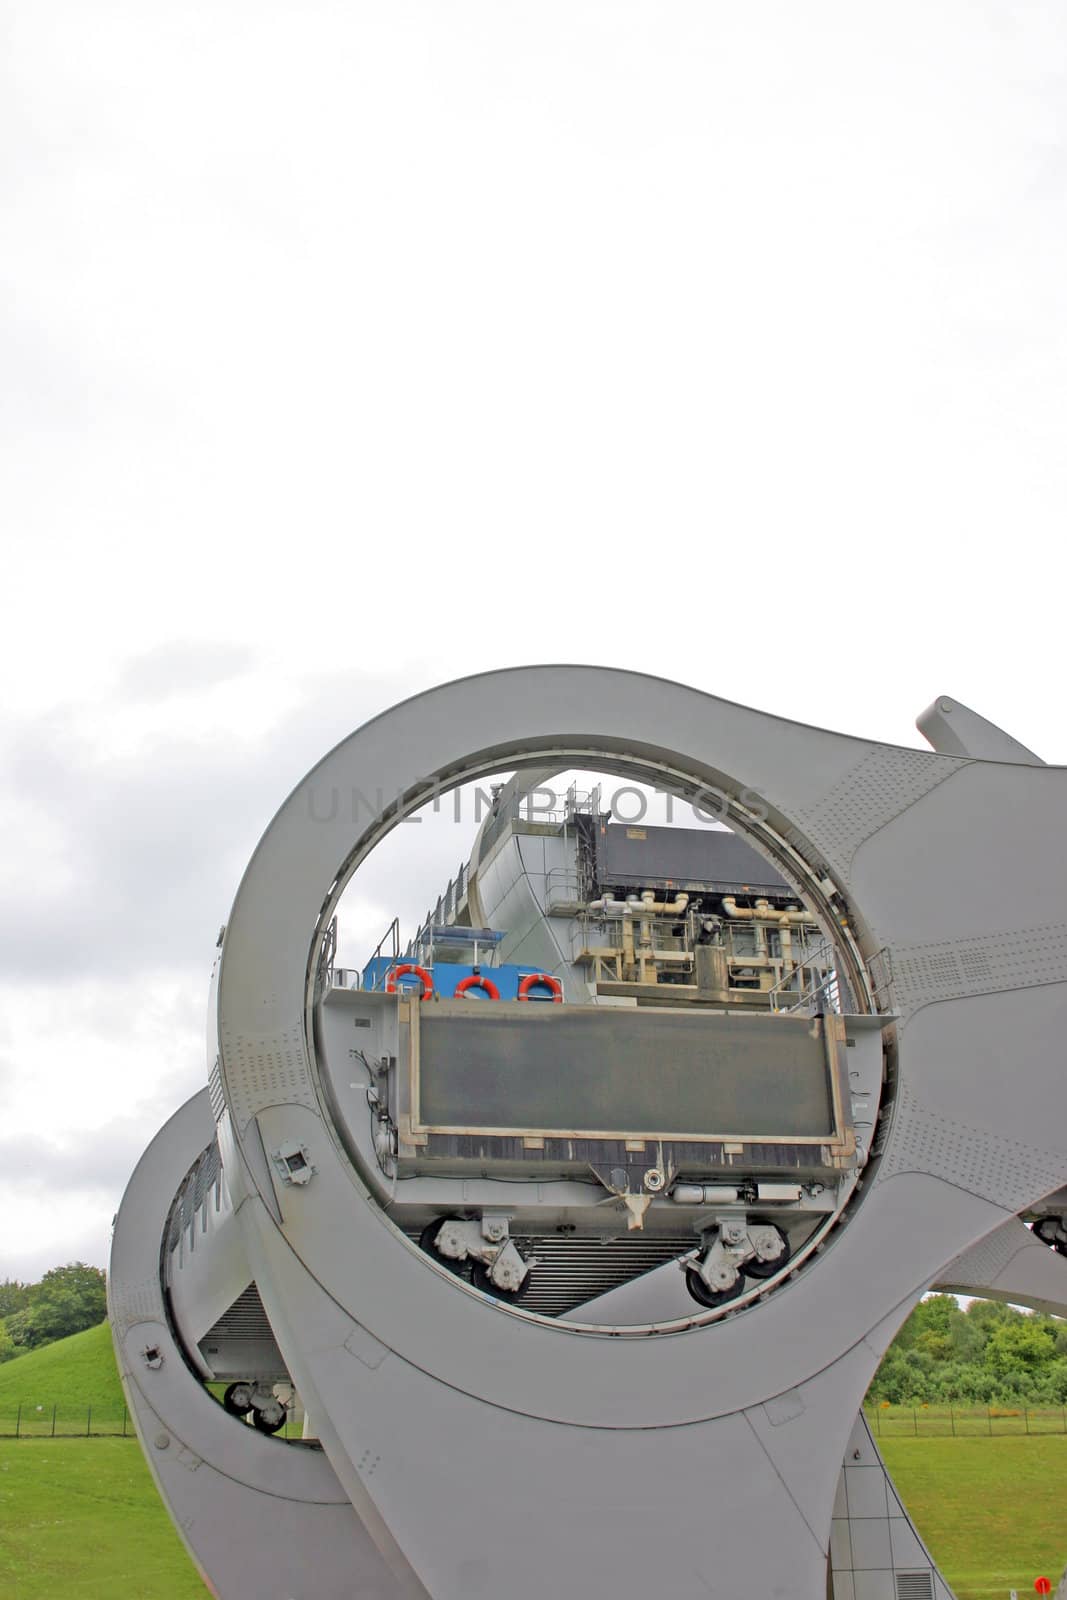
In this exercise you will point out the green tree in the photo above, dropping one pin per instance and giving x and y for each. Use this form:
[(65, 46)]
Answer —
[(14, 1296), (986, 1315), (987, 1353), (1055, 1379), (7, 1345), (66, 1300), (936, 1327), (893, 1381), (17, 1330), (1020, 1349)]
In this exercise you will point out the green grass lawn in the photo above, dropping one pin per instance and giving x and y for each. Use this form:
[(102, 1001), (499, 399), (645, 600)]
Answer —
[(993, 1512), (72, 1375), (81, 1517)]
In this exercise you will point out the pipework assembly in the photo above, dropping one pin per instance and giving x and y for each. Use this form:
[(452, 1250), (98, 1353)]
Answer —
[(557, 1247)]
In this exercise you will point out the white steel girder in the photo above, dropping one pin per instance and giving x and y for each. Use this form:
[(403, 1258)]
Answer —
[(492, 1453), (258, 1518)]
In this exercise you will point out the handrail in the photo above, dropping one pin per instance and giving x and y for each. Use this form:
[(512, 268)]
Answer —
[(558, 881), (327, 952), (391, 936), (792, 982), (827, 986)]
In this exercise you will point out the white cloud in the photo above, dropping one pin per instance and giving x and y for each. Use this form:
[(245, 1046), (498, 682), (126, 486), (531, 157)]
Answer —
[(347, 349), (179, 668)]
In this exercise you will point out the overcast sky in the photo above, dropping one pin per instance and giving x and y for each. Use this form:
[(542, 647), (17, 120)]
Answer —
[(350, 347)]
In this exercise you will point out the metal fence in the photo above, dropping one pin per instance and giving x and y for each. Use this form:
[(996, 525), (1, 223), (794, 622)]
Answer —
[(65, 1422), (95, 1422), (964, 1422), (886, 1422)]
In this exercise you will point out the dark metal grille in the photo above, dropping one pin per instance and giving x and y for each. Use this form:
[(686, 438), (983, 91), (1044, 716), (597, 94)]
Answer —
[(198, 1184), (685, 858), (215, 1091), (915, 1586), (246, 1319), (207, 1171), (571, 1270)]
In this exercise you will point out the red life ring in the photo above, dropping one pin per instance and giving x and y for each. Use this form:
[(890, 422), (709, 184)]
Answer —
[(410, 969), (476, 981), (541, 978)]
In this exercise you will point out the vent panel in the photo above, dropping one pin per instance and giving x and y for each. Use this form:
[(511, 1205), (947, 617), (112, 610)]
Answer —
[(246, 1319), (573, 1269), (215, 1091), (914, 1585), (200, 1182)]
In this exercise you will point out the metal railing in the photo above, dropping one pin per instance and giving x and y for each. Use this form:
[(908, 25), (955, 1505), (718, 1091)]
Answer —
[(952, 1421), (562, 888), (812, 984), (327, 953), (29, 1421), (390, 937), (444, 913), (581, 802), (69, 1421), (941, 1421)]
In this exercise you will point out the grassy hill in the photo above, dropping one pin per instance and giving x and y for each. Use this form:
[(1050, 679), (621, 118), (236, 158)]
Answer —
[(71, 1375), (990, 1510), (80, 1518)]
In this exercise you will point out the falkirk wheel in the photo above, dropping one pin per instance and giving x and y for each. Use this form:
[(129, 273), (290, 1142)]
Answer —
[(584, 1297)]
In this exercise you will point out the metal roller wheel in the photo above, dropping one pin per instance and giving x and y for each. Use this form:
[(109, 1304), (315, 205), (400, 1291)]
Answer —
[(269, 1418), (481, 1280), (461, 1269), (237, 1399), (755, 1268), (1045, 1228), (712, 1297)]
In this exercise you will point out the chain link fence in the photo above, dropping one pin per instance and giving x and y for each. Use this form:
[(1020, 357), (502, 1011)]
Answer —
[(885, 1421), (65, 1422), (964, 1422), (96, 1422)]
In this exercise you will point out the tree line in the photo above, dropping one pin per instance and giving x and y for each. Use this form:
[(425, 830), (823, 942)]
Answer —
[(986, 1354), (66, 1300)]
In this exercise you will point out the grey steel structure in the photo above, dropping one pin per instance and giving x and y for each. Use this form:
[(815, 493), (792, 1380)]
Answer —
[(302, 1221)]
